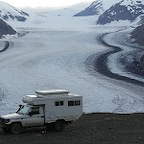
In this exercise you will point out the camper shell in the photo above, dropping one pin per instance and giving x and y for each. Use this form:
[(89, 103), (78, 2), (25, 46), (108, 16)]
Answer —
[(58, 104)]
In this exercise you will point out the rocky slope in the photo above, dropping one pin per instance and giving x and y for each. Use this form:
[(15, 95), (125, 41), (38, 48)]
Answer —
[(5, 29), (138, 34), (114, 10), (124, 10), (97, 7), (94, 9)]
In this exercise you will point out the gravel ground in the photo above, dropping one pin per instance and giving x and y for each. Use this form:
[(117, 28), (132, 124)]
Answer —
[(98, 128)]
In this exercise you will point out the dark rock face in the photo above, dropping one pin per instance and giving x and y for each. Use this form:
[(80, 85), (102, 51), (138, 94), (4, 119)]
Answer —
[(15, 17), (5, 29), (141, 19), (119, 11), (138, 34), (93, 9)]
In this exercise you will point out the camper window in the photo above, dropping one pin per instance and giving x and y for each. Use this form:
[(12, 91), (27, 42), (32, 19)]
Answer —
[(70, 103), (77, 102), (59, 103), (74, 103)]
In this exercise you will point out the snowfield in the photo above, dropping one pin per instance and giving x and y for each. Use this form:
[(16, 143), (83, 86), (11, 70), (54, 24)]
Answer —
[(59, 53)]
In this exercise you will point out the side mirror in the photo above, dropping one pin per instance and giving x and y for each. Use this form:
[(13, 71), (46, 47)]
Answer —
[(20, 106)]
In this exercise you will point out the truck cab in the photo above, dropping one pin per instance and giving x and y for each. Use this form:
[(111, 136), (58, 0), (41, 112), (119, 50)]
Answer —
[(26, 116), (33, 115)]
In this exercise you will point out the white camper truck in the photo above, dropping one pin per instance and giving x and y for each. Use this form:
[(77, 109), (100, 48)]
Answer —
[(50, 108)]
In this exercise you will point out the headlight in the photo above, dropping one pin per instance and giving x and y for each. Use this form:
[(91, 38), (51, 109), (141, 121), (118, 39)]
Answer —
[(7, 120)]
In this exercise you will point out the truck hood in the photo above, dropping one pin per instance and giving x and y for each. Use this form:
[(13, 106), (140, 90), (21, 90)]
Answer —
[(13, 116)]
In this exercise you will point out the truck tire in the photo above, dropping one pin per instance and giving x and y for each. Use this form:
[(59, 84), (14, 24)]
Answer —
[(59, 125), (16, 128)]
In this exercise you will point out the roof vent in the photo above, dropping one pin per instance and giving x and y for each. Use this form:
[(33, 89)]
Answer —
[(41, 93)]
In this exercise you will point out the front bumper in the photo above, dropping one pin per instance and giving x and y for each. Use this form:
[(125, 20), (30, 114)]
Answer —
[(4, 123)]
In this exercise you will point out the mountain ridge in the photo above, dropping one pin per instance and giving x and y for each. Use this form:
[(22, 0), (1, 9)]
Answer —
[(97, 7), (124, 10), (8, 12), (114, 10)]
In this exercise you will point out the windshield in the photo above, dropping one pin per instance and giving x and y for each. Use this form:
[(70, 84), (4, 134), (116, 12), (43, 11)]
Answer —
[(24, 110)]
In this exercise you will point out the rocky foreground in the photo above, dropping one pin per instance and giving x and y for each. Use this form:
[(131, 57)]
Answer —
[(98, 128)]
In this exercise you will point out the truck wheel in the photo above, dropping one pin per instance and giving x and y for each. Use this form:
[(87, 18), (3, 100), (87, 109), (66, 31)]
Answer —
[(6, 130), (16, 128), (59, 125)]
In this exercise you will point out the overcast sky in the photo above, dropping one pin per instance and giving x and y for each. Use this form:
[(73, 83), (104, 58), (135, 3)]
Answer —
[(43, 3)]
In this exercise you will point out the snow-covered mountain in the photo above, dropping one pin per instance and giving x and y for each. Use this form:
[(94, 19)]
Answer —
[(123, 10), (114, 10), (97, 7), (93, 9), (8, 12)]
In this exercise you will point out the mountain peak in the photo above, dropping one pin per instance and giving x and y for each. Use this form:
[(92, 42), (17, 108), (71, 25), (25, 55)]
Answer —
[(97, 7), (114, 10), (8, 12), (94, 9)]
